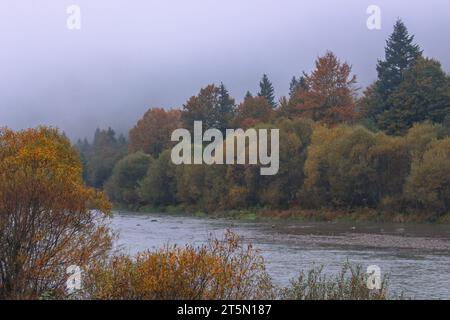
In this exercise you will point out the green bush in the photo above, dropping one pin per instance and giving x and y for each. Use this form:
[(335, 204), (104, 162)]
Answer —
[(124, 181), (349, 284), (280, 190), (158, 187), (353, 167), (428, 186)]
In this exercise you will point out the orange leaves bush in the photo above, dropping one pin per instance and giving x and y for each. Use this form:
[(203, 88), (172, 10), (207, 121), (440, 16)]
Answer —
[(47, 221), (221, 269)]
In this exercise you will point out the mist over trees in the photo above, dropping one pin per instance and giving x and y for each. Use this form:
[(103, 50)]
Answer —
[(100, 157), (337, 150)]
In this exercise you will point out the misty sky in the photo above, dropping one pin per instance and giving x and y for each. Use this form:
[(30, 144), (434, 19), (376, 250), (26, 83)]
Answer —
[(134, 54)]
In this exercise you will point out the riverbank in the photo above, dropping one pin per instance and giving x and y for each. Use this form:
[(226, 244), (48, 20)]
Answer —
[(324, 215)]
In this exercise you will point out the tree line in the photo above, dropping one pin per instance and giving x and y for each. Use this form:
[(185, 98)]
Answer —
[(50, 222), (336, 151), (387, 149)]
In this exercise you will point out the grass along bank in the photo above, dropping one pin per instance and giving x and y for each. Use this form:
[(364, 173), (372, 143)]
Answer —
[(324, 215)]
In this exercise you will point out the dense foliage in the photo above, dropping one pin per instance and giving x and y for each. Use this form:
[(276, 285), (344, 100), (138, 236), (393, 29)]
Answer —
[(388, 151), (221, 269), (343, 167), (47, 221), (100, 157), (383, 151), (152, 133), (122, 186), (409, 88), (329, 95)]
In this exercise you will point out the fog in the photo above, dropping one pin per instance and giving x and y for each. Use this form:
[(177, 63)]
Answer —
[(129, 56)]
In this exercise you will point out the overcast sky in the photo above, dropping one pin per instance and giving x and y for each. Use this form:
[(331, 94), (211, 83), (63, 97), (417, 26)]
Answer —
[(132, 55)]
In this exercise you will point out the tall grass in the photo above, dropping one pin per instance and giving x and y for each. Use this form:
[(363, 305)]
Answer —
[(349, 284)]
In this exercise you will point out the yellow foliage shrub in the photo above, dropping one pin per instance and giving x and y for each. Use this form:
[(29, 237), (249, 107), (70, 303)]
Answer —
[(47, 221), (221, 269)]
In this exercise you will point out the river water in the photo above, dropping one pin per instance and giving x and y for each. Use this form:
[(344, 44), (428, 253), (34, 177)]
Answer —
[(416, 257)]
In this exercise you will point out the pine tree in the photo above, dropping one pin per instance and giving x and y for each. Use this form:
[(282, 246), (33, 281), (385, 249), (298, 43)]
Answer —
[(293, 86), (225, 109), (103, 154), (297, 84), (248, 95), (400, 54), (267, 91)]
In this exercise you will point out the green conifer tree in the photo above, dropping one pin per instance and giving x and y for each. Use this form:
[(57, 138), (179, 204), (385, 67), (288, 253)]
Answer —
[(400, 54), (267, 91)]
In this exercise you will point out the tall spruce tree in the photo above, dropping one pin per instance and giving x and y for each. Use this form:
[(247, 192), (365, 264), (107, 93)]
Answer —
[(225, 109), (293, 86), (267, 91), (400, 54)]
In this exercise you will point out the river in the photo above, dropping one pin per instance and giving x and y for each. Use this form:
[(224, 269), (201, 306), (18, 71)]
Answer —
[(416, 256)]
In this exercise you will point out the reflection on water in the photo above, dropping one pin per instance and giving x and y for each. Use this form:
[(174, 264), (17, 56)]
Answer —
[(417, 257)]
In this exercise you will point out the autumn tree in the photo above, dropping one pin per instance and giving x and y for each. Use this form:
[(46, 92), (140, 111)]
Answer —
[(428, 186), (267, 91), (285, 109), (152, 133), (252, 111), (190, 182), (288, 107), (280, 190), (47, 221), (329, 94), (352, 167), (215, 192), (213, 106), (420, 137)]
